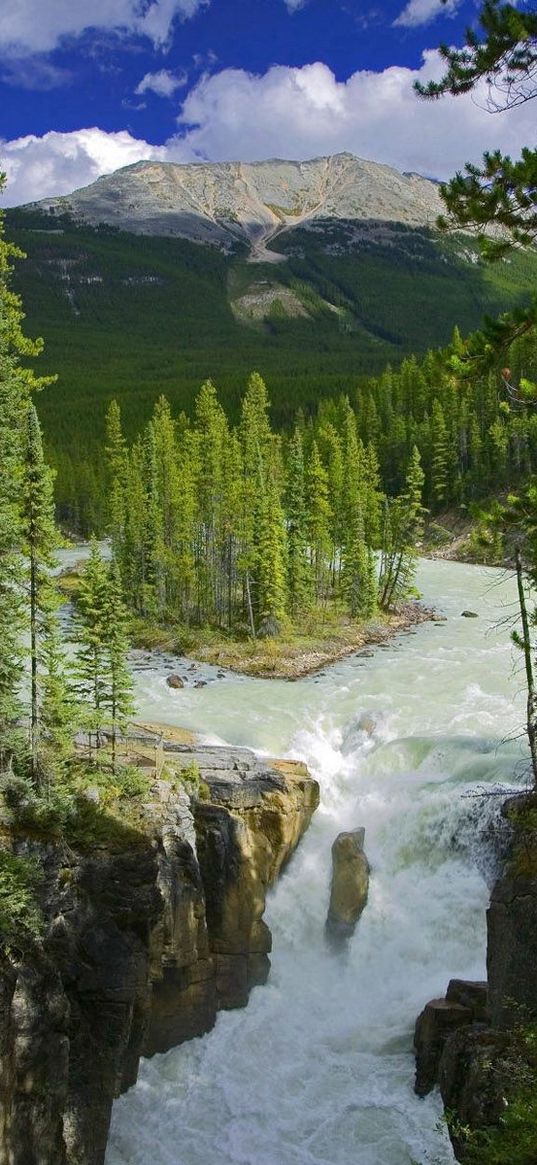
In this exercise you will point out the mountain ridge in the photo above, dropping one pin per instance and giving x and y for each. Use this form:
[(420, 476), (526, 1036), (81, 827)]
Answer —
[(248, 204)]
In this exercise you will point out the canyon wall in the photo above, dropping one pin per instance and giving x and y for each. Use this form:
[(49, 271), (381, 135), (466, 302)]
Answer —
[(147, 937)]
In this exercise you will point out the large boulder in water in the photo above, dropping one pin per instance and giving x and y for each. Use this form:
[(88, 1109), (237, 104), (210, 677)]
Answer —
[(349, 889)]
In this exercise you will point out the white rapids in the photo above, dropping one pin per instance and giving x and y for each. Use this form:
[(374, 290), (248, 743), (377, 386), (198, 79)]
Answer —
[(318, 1069)]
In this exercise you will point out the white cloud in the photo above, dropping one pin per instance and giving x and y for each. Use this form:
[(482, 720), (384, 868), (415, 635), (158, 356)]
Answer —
[(58, 163), (32, 26), (305, 112), (294, 5), (163, 84), (419, 12), (288, 113)]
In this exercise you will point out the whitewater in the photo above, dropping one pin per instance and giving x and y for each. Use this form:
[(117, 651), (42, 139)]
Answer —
[(318, 1069)]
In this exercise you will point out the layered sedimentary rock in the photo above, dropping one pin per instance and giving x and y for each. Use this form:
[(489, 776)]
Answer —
[(147, 937)]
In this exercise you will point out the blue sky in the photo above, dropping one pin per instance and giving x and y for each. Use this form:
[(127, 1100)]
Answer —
[(186, 80)]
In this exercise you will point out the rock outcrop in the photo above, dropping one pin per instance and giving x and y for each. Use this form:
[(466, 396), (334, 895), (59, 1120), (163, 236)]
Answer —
[(349, 888), (512, 950), (465, 1003), (148, 935), (472, 1043)]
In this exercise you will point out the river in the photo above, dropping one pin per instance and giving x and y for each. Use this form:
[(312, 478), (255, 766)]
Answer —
[(318, 1069)]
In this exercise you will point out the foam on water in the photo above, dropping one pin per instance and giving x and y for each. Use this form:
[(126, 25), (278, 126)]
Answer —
[(318, 1070)]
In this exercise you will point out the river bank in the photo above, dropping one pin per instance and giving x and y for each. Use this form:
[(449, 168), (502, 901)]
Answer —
[(321, 638), (287, 657)]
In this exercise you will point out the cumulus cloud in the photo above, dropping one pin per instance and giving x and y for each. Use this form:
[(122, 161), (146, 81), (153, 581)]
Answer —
[(287, 113), (163, 84), (33, 26), (58, 163), (294, 5), (419, 12), (305, 112)]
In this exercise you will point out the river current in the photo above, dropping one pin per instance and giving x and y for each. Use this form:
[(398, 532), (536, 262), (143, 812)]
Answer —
[(318, 1069)]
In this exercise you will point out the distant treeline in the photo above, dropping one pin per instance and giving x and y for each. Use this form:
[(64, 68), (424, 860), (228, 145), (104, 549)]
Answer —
[(472, 438)]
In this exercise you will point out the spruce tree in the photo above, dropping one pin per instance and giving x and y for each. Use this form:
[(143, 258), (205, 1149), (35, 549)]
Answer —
[(39, 541), (16, 384), (359, 573), (270, 576), (299, 588), (59, 711), (318, 521), (91, 626), (117, 700), (403, 528), (258, 461), (116, 452), (440, 465)]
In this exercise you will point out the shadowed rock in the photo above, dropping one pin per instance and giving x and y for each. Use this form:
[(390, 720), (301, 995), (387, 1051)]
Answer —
[(148, 934), (437, 1021)]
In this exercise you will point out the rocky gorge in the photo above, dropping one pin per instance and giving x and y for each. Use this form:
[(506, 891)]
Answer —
[(147, 936)]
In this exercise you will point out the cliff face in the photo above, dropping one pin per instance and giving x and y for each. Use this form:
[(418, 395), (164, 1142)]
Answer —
[(478, 1057), (145, 942)]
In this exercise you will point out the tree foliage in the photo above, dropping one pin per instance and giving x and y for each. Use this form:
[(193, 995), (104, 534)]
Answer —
[(499, 197), (253, 528)]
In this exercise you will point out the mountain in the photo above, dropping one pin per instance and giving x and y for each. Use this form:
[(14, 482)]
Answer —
[(159, 276), (252, 203)]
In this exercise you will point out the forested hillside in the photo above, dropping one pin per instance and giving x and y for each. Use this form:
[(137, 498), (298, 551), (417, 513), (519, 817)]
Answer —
[(131, 317)]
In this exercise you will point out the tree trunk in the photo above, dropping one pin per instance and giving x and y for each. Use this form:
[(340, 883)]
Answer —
[(531, 724), (34, 714)]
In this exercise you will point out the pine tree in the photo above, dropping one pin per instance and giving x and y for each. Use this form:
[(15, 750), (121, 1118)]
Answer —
[(297, 562), (258, 460), (359, 574), (500, 192), (318, 521), (212, 435), (40, 540), (270, 575), (153, 584), (91, 626), (116, 701), (440, 454), (116, 452), (330, 447), (59, 710), (232, 510), (403, 527), (16, 384)]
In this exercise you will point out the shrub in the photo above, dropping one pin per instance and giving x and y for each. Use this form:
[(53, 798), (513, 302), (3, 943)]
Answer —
[(20, 914)]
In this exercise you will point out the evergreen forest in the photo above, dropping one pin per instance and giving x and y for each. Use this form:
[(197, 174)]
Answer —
[(132, 318)]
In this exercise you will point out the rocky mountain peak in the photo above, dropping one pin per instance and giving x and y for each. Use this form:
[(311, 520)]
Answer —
[(224, 203)]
